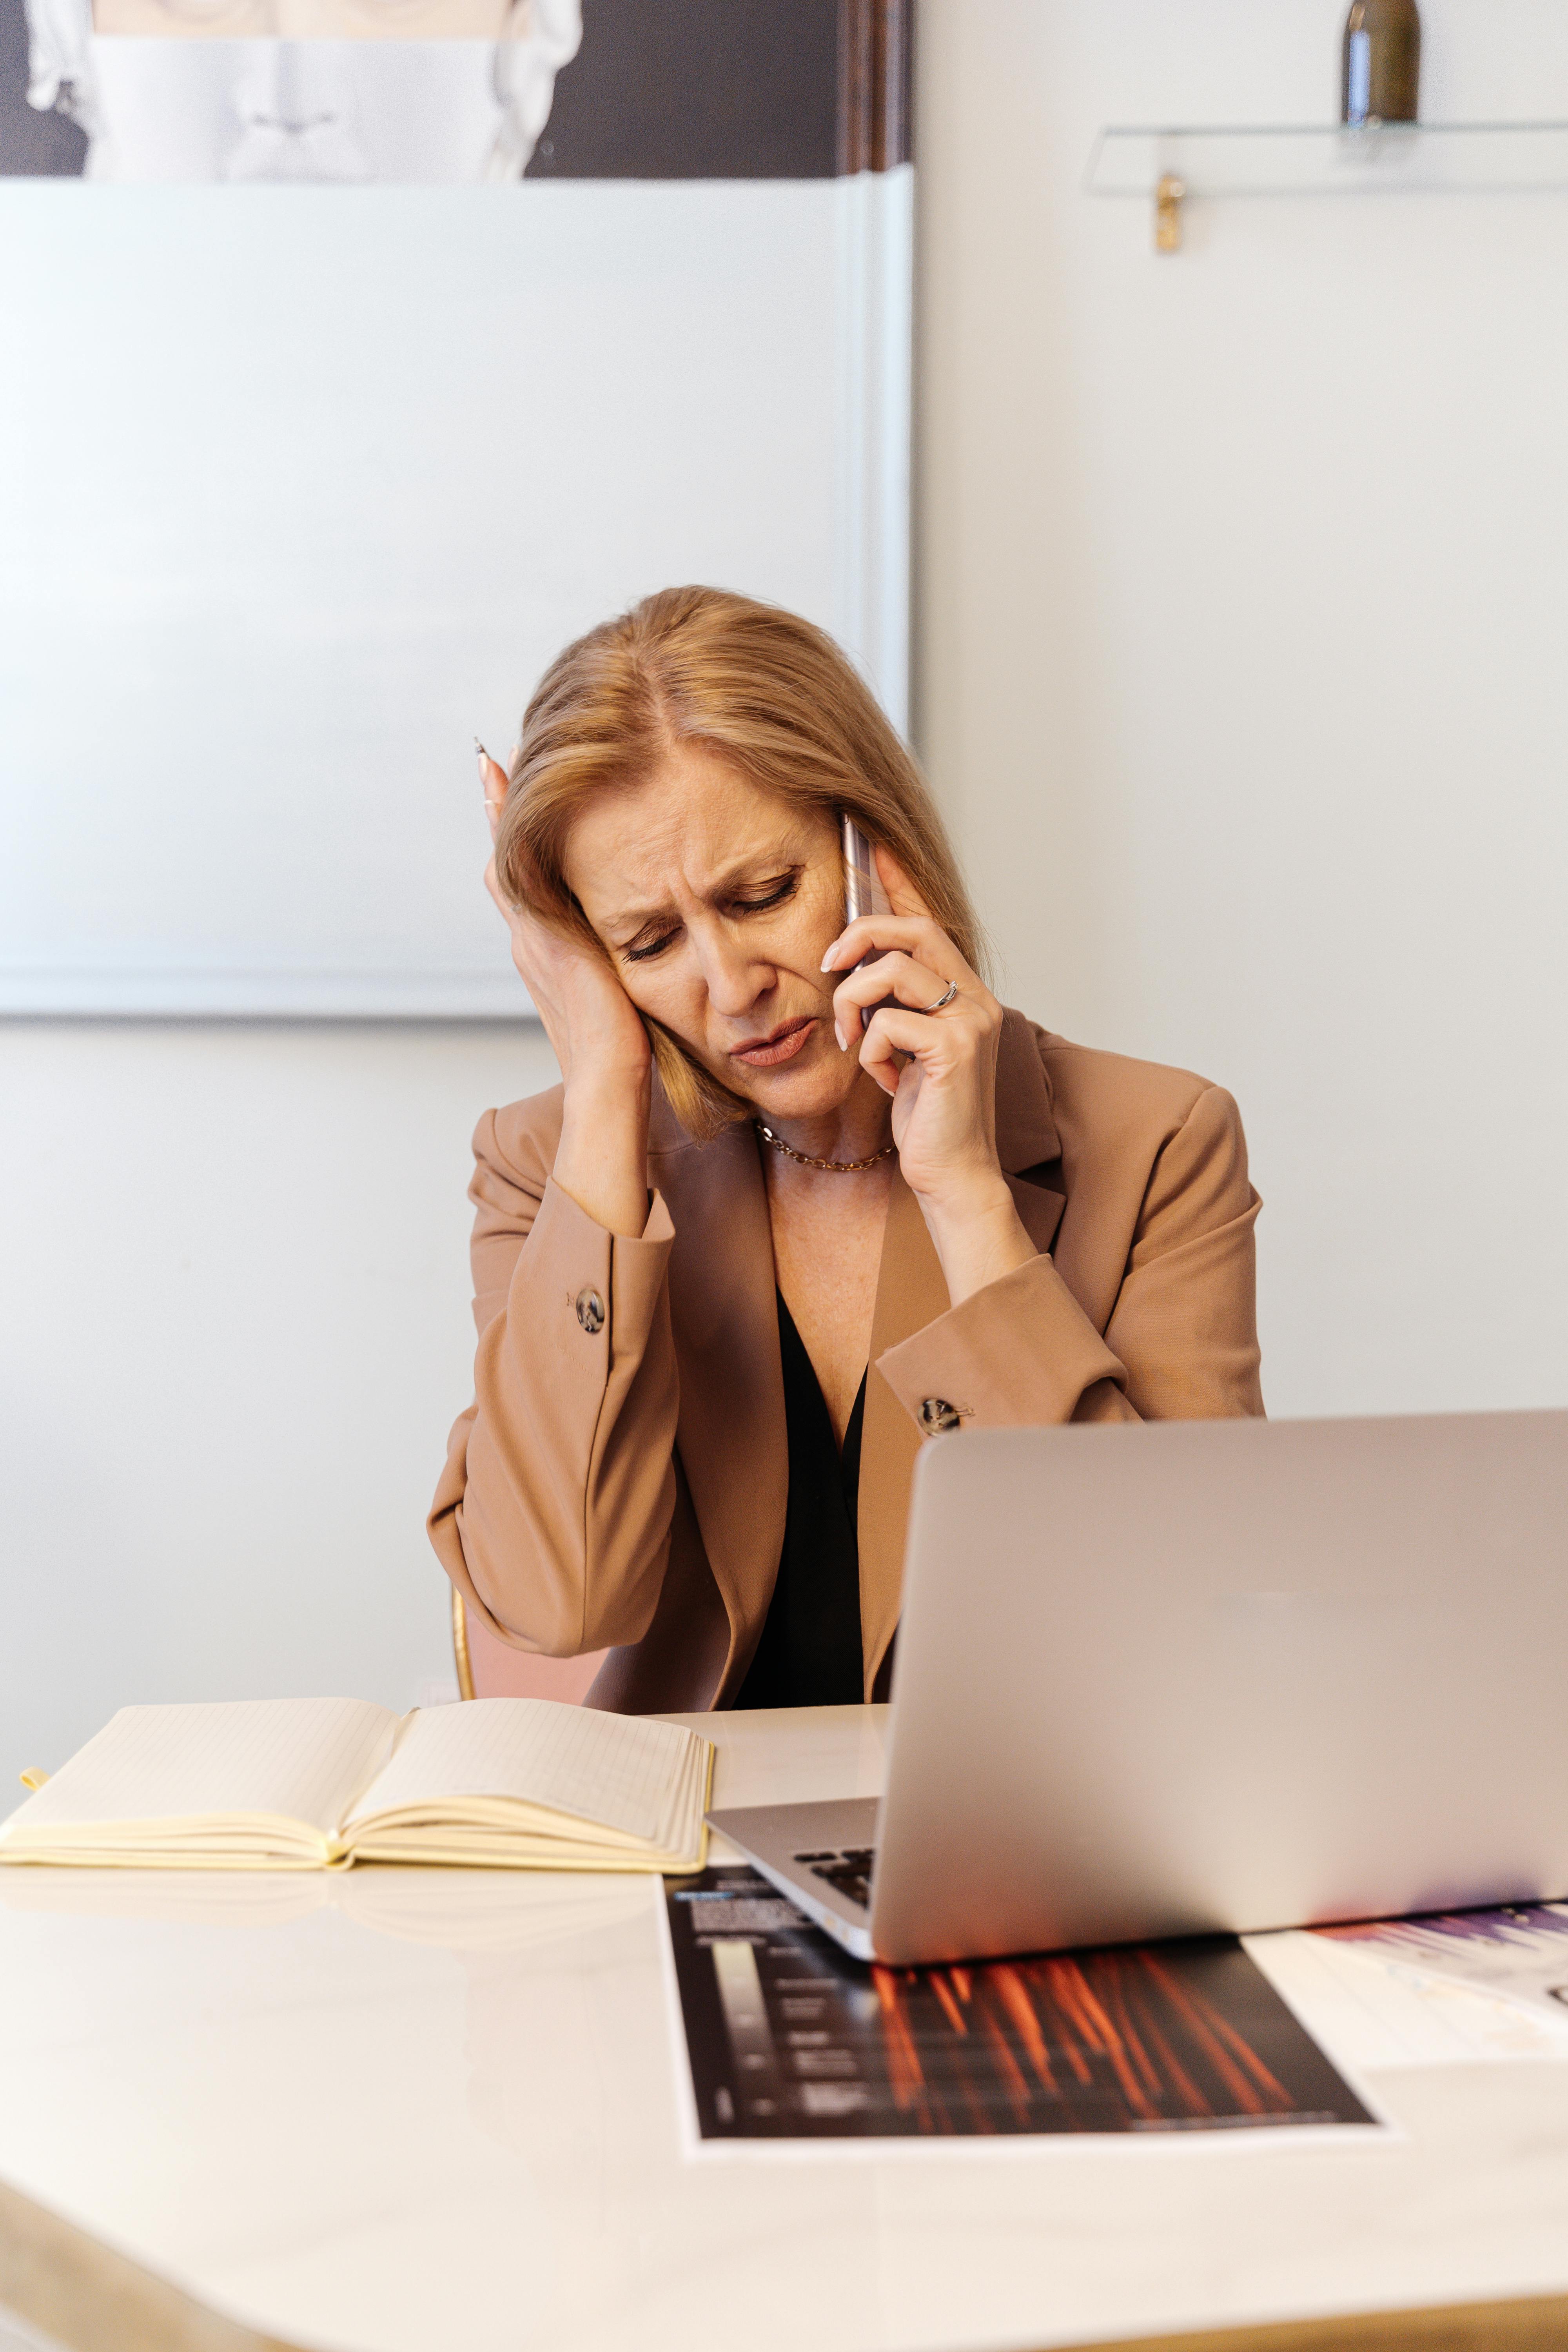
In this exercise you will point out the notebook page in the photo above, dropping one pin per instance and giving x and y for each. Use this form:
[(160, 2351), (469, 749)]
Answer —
[(617, 1770), (304, 1758)]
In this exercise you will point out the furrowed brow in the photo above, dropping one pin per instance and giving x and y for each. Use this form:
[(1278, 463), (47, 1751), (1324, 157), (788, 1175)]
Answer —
[(754, 866), (760, 866), (646, 924)]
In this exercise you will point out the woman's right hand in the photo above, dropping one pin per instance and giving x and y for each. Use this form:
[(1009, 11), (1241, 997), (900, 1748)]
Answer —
[(599, 1040), (588, 1017)]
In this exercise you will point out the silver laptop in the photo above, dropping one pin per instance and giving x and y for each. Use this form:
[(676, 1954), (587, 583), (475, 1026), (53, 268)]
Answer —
[(1194, 1675)]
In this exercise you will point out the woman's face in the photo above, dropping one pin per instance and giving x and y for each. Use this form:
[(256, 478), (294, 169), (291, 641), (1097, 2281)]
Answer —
[(717, 903)]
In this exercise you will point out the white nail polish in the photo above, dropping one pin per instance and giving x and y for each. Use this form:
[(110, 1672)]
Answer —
[(827, 958), (843, 1040)]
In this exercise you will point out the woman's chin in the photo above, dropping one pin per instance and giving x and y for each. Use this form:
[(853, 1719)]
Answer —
[(813, 1087)]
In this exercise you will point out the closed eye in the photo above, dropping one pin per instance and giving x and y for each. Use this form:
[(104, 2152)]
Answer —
[(774, 894), (651, 948)]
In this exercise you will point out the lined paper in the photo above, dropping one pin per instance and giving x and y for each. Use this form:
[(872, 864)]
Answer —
[(625, 1771), (317, 1783), (304, 1759)]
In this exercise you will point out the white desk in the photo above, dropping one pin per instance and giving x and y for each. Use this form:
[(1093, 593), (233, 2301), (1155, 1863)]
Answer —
[(461, 2136)]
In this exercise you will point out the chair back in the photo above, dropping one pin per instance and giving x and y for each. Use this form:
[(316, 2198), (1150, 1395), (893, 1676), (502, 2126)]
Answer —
[(490, 1669)]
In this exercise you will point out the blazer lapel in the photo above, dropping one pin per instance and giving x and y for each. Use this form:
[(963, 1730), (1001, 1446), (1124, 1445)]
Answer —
[(911, 1292), (724, 1320), (1039, 1212), (1026, 1133)]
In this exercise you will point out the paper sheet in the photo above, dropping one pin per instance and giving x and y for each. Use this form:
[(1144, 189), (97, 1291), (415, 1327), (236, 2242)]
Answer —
[(1370, 2012), (1516, 1951), (298, 1759), (790, 2041), (625, 1771)]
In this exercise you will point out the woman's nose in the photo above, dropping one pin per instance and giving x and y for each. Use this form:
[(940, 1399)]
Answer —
[(734, 980)]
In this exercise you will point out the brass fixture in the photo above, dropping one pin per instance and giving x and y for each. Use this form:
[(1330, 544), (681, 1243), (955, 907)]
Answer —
[(1168, 197)]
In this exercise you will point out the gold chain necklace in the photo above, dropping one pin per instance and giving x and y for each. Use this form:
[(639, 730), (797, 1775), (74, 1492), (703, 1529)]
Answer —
[(834, 1167)]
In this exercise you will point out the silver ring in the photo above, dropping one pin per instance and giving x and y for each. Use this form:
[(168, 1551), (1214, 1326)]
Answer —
[(943, 1002)]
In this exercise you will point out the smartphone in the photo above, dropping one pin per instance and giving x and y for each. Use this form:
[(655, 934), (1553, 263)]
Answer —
[(863, 893)]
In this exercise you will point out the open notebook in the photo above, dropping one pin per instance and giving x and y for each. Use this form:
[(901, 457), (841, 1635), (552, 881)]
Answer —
[(318, 1783)]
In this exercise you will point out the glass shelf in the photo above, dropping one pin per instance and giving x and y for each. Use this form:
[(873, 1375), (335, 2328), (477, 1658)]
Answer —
[(1387, 159)]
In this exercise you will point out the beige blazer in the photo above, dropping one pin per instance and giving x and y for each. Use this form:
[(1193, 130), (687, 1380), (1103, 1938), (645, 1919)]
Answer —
[(619, 1480)]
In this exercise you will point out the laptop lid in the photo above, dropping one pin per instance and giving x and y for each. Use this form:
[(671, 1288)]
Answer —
[(1176, 1677)]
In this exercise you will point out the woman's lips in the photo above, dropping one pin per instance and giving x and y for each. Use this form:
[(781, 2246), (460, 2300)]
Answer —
[(782, 1045)]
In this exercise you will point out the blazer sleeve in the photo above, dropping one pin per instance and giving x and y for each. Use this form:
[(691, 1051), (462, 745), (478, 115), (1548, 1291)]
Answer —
[(553, 1513), (1181, 1342)]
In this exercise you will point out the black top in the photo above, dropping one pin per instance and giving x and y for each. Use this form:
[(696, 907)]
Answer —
[(809, 1654)]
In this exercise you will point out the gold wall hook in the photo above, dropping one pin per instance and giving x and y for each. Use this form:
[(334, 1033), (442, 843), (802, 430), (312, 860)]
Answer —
[(1168, 199)]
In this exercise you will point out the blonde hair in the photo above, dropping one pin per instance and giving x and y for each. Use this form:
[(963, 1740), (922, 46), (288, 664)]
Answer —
[(767, 691)]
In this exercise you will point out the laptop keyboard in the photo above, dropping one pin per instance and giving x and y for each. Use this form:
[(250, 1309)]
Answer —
[(847, 1872)]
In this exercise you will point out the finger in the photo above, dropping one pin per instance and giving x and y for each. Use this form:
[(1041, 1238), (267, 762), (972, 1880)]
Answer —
[(514, 913), (894, 1039), (892, 1032), (493, 784), (902, 896), (913, 934), (902, 977)]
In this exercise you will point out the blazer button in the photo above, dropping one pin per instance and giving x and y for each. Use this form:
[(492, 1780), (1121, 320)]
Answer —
[(590, 1311), (936, 1414)]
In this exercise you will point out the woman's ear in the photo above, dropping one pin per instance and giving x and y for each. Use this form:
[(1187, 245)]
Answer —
[(902, 896)]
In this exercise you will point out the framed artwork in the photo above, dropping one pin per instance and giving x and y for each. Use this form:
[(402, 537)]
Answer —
[(360, 354)]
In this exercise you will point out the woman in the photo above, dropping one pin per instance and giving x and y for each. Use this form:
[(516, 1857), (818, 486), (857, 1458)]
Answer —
[(792, 1213)]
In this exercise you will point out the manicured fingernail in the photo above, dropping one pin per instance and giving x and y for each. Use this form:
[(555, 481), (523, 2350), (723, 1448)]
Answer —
[(831, 958), (843, 1040)]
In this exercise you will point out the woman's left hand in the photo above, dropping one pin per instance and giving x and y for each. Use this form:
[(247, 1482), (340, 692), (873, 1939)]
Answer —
[(940, 1071)]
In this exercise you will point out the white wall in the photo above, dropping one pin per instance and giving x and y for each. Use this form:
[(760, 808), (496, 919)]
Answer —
[(234, 1263), (1240, 648)]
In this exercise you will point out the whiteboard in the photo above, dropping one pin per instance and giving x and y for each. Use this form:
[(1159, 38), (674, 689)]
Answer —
[(305, 486)]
